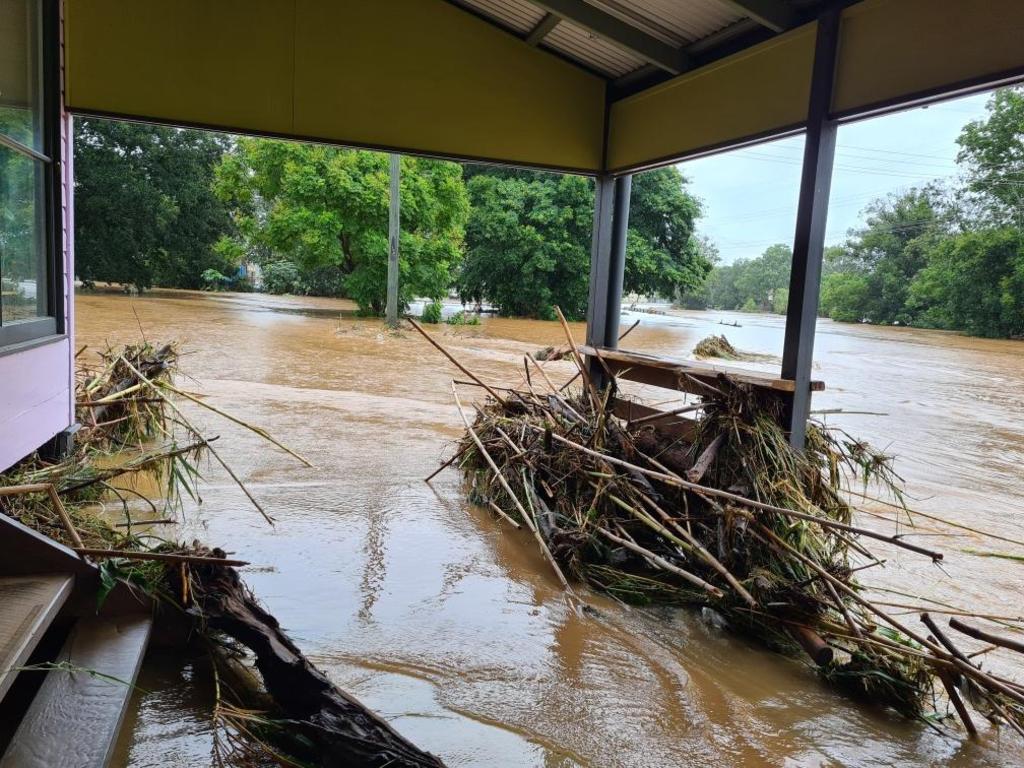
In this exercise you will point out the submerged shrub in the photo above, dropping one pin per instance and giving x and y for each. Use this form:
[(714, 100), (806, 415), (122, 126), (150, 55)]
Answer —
[(214, 280), (280, 277), (463, 318), (431, 312)]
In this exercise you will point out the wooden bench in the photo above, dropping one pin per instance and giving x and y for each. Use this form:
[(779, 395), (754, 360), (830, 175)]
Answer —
[(686, 375)]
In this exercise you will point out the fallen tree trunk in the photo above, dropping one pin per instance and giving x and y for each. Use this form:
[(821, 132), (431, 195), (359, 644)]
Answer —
[(342, 732)]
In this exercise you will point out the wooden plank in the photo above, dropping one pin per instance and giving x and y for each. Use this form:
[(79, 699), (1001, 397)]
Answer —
[(27, 606), (679, 374), (675, 426), (75, 718)]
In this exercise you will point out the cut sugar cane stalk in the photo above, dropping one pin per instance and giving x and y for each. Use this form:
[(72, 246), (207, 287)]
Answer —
[(511, 494), (988, 637), (454, 361)]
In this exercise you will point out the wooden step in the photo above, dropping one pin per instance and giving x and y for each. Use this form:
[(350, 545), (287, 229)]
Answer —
[(28, 604), (74, 720)]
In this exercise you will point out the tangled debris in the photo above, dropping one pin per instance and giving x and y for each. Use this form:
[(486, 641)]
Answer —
[(716, 346), (131, 425), (728, 517)]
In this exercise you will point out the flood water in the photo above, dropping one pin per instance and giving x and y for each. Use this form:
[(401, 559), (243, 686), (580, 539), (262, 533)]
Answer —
[(453, 628)]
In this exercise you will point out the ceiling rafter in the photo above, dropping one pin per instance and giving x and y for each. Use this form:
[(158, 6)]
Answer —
[(544, 26), (652, 50), (777, 15)]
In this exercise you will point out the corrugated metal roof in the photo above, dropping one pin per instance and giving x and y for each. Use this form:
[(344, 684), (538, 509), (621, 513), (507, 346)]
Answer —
[(677, 23), (582, 45), (520, 15)]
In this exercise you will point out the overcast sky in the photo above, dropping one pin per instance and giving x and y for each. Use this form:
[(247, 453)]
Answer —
[(749, 195)]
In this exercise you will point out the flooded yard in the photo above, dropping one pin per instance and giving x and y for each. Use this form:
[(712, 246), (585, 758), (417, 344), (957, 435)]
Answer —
[(417, 603)]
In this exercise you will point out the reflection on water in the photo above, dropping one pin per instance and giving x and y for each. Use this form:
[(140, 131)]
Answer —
[(452, 628)]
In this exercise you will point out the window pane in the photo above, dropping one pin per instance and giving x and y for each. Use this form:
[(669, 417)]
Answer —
[(20, 72), (22, 238)]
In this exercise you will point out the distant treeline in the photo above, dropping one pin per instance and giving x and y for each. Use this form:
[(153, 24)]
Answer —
[(949, 257), (184, 208)]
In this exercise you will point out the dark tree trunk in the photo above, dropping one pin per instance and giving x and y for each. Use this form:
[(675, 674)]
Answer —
[(343, 732)]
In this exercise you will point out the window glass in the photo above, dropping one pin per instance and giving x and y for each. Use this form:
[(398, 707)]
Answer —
[(22, 238), (20, 75)]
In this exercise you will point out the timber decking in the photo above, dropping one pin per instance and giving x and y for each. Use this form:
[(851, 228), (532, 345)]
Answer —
[(680, 374), (27, 606), (74, 720)]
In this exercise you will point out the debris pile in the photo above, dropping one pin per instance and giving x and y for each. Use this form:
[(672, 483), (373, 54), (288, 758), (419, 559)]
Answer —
[(720, 512), (132, 423), (716, 346)]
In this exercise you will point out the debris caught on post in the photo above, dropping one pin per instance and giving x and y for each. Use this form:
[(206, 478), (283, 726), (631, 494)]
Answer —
[(726, 515)]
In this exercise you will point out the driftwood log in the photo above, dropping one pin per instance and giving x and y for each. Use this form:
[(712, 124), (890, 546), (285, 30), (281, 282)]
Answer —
[(342, 732)]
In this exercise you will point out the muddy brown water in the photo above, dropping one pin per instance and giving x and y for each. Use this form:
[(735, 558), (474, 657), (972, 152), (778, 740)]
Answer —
[(453, 629)]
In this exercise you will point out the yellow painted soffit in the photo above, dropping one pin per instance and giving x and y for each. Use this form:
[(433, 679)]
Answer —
[(754, 93), (411, 75), (891, 51)]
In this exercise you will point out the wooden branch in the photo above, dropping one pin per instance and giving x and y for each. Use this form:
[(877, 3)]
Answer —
[(696, 473), (448, 463), (988, 637), (660, 562), (455, 362), (511, 494), (325, 726), (958, 704), (164, 557), (579, 360), (821, 653)]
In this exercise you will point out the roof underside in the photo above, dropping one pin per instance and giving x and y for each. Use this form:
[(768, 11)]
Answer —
[(641, 41), (587, 86)]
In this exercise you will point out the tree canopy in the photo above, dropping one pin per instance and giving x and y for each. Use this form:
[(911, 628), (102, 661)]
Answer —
[(529, 237), (951, 259), (992, 152), (935, 256), (750, 285), (145, 212), (528, 243), (326, 210)]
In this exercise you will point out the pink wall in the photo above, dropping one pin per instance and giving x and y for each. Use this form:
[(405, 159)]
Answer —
[(37, 385), (35, 398)]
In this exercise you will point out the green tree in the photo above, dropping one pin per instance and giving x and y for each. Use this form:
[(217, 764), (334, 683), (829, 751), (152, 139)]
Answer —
[(528, 243), (892, 248), (751, 285), (144, 210), (844, 296), (529, 236), (663, 256), (993, 152), (760, 280), (974, 282), (326, 210)]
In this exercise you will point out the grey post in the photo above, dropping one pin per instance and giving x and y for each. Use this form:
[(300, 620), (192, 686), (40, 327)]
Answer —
[(393, 233), (600, 259), (809, 240), (607, 262), (617, 260)]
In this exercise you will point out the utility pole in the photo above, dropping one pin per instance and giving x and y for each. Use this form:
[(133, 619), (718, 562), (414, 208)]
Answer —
[(393, 232)]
